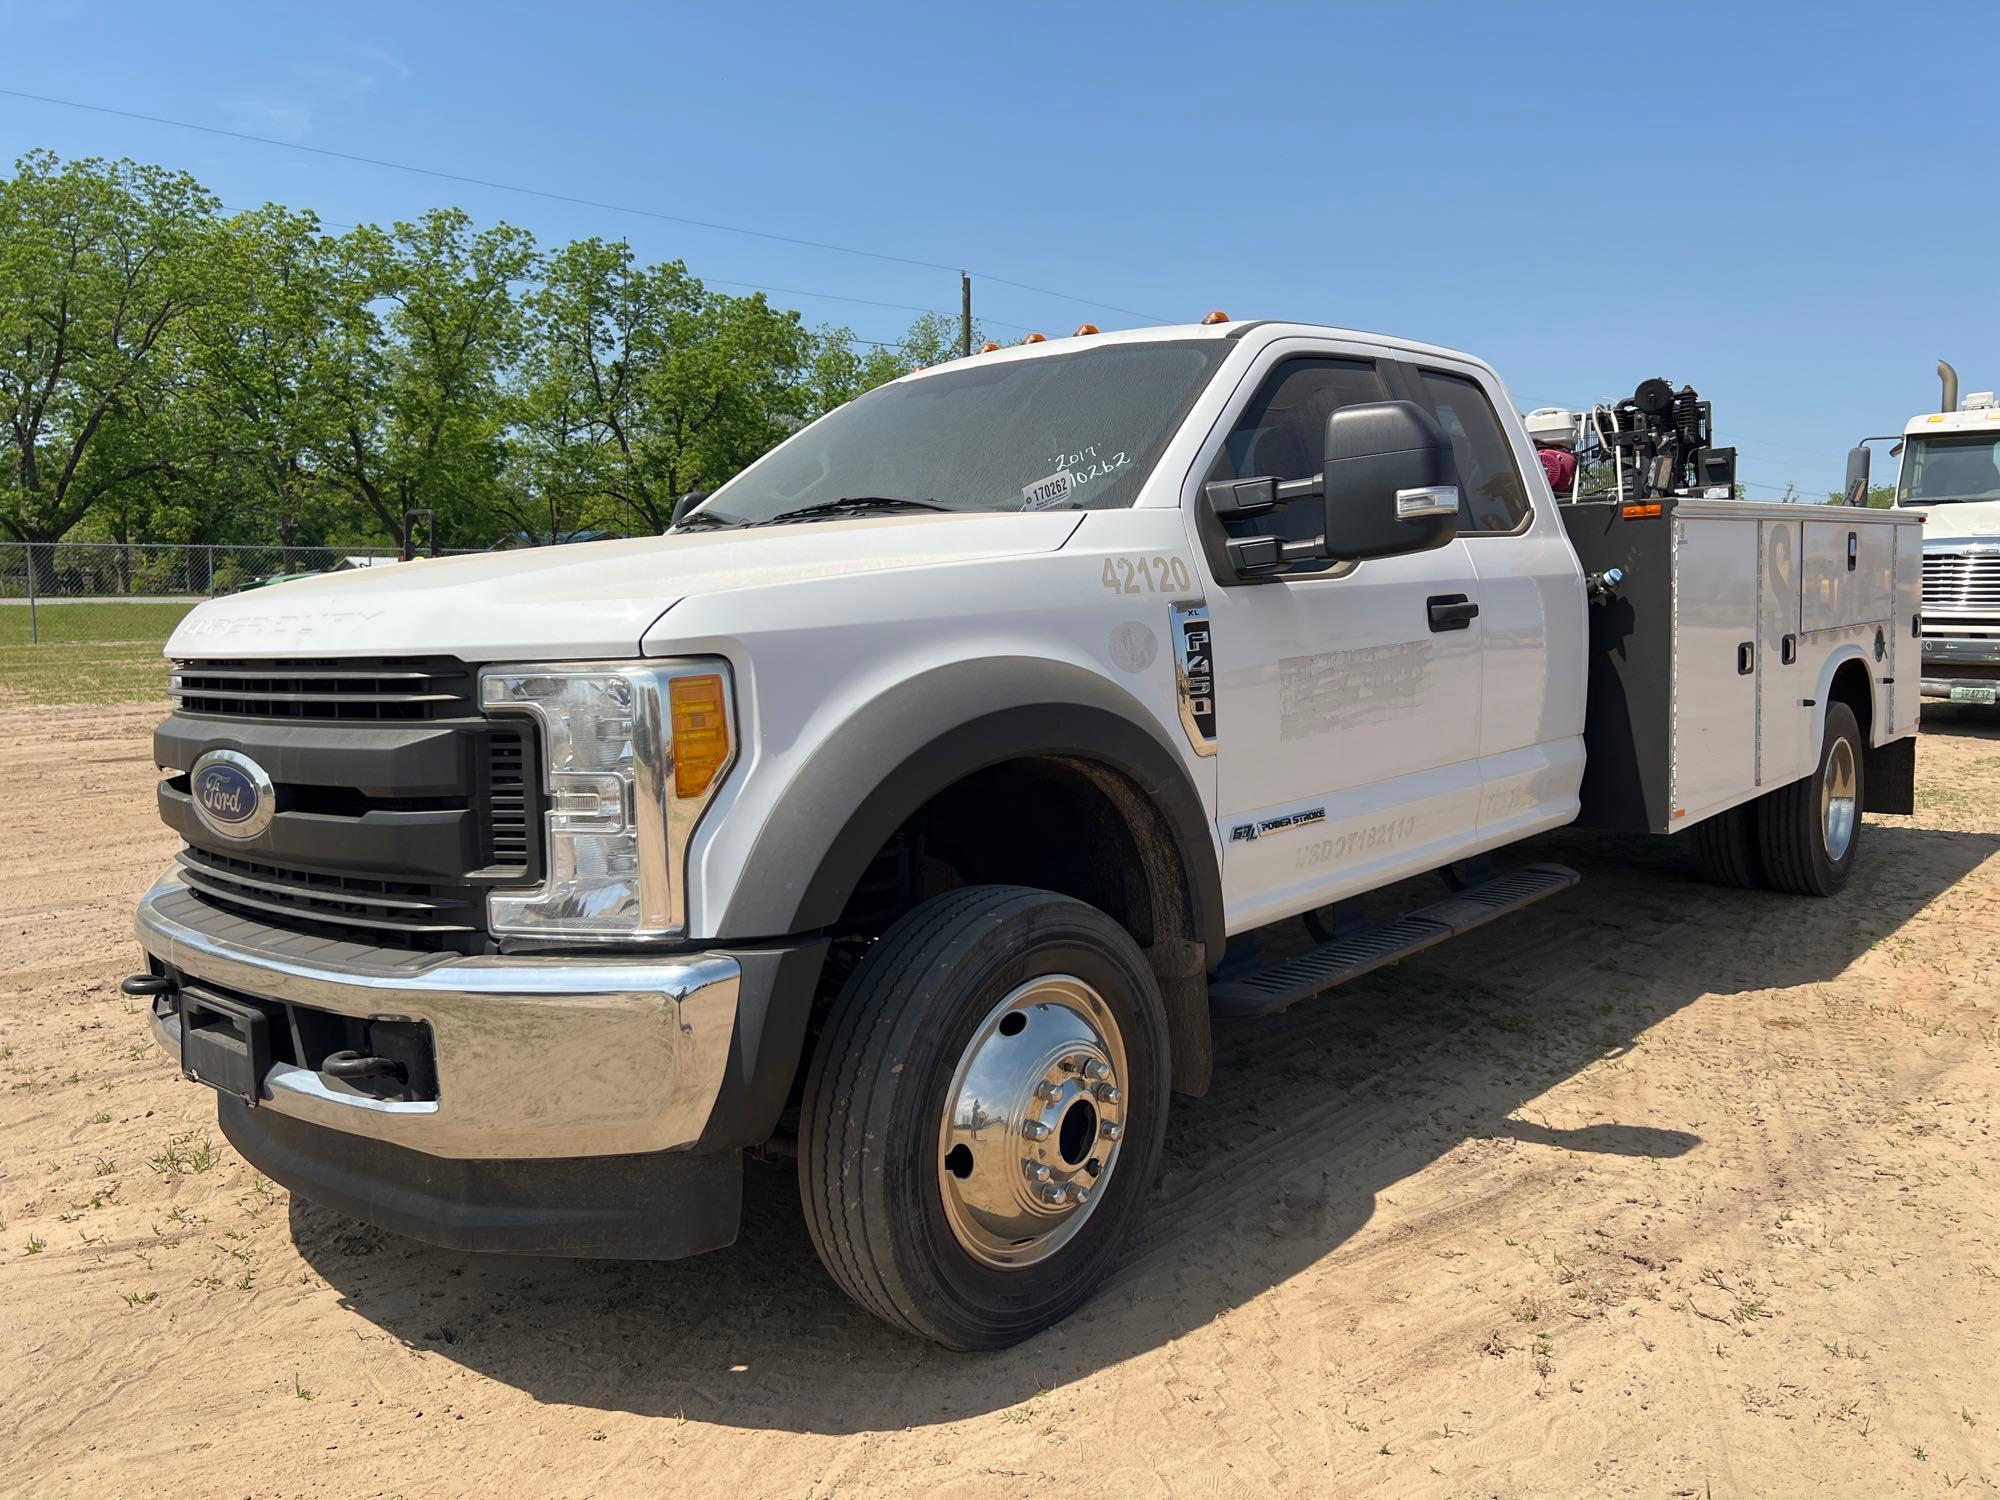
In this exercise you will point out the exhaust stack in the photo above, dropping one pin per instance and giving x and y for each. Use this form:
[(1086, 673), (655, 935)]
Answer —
[(1949, 378)]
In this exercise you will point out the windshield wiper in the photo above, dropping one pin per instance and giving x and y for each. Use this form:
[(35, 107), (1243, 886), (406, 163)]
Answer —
[(852, 503)]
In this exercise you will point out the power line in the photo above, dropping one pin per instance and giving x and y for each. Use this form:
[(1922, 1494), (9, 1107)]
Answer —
[(785, 291), (597, 203)]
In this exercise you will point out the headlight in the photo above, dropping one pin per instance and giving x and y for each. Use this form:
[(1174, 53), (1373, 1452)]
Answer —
[(632, 754)]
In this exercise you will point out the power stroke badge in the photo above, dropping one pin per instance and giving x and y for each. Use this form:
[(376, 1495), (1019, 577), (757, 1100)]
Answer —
[(232, 794)]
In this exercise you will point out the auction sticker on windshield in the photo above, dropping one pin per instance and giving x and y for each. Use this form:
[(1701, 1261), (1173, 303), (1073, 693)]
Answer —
[(1044, 493)]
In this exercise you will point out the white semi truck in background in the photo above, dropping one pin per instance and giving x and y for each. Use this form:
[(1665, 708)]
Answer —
[(1951, 471)]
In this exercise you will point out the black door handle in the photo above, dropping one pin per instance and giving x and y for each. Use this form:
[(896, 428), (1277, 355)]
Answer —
[(1451, 611)]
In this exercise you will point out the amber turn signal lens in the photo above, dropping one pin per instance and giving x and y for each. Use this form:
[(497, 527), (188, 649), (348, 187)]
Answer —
[(1640, 512), (1084, 328), (701, 732), (1218, 316)]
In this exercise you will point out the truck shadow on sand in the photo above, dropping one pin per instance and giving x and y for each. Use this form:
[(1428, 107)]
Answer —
[(1312, 1115)]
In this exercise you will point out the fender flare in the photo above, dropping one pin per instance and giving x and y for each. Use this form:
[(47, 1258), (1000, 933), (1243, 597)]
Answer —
[(928, 732), (1838, 658)]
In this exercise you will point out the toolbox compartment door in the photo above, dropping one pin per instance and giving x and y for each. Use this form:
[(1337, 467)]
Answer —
[(1785, 748), (1847, 571), (1716, 567)]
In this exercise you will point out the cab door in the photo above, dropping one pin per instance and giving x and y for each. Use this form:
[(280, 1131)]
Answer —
[(1347, 697)]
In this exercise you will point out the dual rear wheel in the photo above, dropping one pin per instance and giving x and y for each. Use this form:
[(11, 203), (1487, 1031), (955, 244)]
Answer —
[(1801, 838)]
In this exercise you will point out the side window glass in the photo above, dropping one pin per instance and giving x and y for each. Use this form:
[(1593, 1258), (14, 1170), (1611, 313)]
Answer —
[(1282, 433), (1491, 495)]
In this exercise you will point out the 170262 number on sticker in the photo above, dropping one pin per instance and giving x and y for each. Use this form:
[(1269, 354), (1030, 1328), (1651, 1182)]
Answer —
[(1153, 573)]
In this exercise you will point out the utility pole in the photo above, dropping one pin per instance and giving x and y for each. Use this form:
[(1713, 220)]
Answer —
[(964, 315)]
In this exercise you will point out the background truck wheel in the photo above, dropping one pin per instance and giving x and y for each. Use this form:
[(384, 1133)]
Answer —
[(1808, 832), (984, 1114), (1725, 847)]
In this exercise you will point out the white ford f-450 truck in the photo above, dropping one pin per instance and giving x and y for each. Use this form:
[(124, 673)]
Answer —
[(895, 811)]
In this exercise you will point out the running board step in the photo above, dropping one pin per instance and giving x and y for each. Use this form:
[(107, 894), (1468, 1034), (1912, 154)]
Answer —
[(1291, 980)]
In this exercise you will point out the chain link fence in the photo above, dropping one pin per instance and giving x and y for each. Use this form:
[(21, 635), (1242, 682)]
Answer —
[(112, 592)]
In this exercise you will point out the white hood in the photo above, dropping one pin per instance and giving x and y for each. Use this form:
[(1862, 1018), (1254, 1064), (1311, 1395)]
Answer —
[(588, 600), (1962, 520)]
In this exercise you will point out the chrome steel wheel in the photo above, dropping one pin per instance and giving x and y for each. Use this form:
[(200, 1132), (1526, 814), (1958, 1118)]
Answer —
[(1838, 807), (1033, 1122)]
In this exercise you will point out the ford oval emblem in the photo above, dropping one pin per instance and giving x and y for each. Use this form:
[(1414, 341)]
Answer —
[(233, 795)]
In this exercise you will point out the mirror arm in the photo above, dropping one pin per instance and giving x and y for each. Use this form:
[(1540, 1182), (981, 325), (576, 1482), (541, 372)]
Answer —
[(1256, 497)]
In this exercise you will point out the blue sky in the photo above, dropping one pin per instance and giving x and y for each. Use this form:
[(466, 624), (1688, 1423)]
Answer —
[(1792, 207)]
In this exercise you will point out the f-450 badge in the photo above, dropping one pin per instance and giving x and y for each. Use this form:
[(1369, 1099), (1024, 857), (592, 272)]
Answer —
[(1194, 674)]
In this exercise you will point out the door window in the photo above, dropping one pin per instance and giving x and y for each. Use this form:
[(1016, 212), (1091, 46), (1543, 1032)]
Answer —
[(1491, 496), (1282, 435)]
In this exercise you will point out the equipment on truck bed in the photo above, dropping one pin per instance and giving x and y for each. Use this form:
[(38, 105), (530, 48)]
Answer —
[(1656, 442)]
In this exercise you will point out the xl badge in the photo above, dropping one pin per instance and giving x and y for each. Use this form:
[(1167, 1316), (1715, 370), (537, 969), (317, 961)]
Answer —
[(233, 795)]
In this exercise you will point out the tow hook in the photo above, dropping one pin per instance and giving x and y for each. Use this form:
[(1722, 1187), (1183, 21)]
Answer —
[(352, 1065), (146, 986)]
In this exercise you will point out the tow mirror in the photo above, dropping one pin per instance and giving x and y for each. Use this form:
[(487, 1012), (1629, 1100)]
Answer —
[(1857, 476), (1391, 482), (1389, 485)]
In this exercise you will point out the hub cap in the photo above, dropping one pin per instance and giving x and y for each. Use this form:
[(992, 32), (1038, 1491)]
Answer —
[(1837, 800), (1033, 1122)]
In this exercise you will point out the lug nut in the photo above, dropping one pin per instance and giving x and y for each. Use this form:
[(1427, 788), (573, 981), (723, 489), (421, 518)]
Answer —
[(1111, 1130), (1047, 1090), (1053, 1195), (1108, 1094), (1036, 1170), (1035, 1130), (1094, 1070), (1078, 1193)]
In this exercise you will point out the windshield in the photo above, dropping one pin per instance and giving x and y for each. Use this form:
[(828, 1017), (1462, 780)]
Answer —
[(1960, 466), (1075, 430)]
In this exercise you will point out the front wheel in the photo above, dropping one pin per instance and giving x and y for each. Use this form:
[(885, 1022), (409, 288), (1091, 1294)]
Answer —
[(984, 1114), (1809, 832)]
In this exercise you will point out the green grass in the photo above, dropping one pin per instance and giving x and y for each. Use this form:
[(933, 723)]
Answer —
[(91, 620), (48, 675)]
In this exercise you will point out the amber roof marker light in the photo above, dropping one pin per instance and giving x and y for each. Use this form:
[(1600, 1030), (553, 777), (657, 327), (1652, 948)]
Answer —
[(1036, 338), (1083, 330), (1218, 316), (988, 348)]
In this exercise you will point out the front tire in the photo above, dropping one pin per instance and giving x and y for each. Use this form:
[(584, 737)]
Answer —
[(984, 1114), (1810, 831)]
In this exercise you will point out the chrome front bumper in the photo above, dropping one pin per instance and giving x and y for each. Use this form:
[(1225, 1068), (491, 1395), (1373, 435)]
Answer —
[(536, 1056)]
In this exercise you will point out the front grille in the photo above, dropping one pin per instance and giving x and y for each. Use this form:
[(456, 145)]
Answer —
[(383, 768), (1968, 580), (508, 802), (386, 911), (395, 689)]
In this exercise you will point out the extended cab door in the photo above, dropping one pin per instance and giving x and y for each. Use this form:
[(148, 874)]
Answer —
[(1347, 722), (1533, 630)]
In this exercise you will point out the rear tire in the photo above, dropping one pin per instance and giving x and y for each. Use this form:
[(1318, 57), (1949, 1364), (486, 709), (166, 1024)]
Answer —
[(1810, 832), (984, 1114), (1725, 848)]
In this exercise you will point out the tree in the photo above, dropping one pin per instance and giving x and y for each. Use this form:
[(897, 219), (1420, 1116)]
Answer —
[(640, 384), (263, 401), (101, 263), (424, 321), (842, 368)]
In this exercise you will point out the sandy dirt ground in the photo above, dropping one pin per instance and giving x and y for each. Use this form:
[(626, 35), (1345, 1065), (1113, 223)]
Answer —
[(1652, 1190)]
